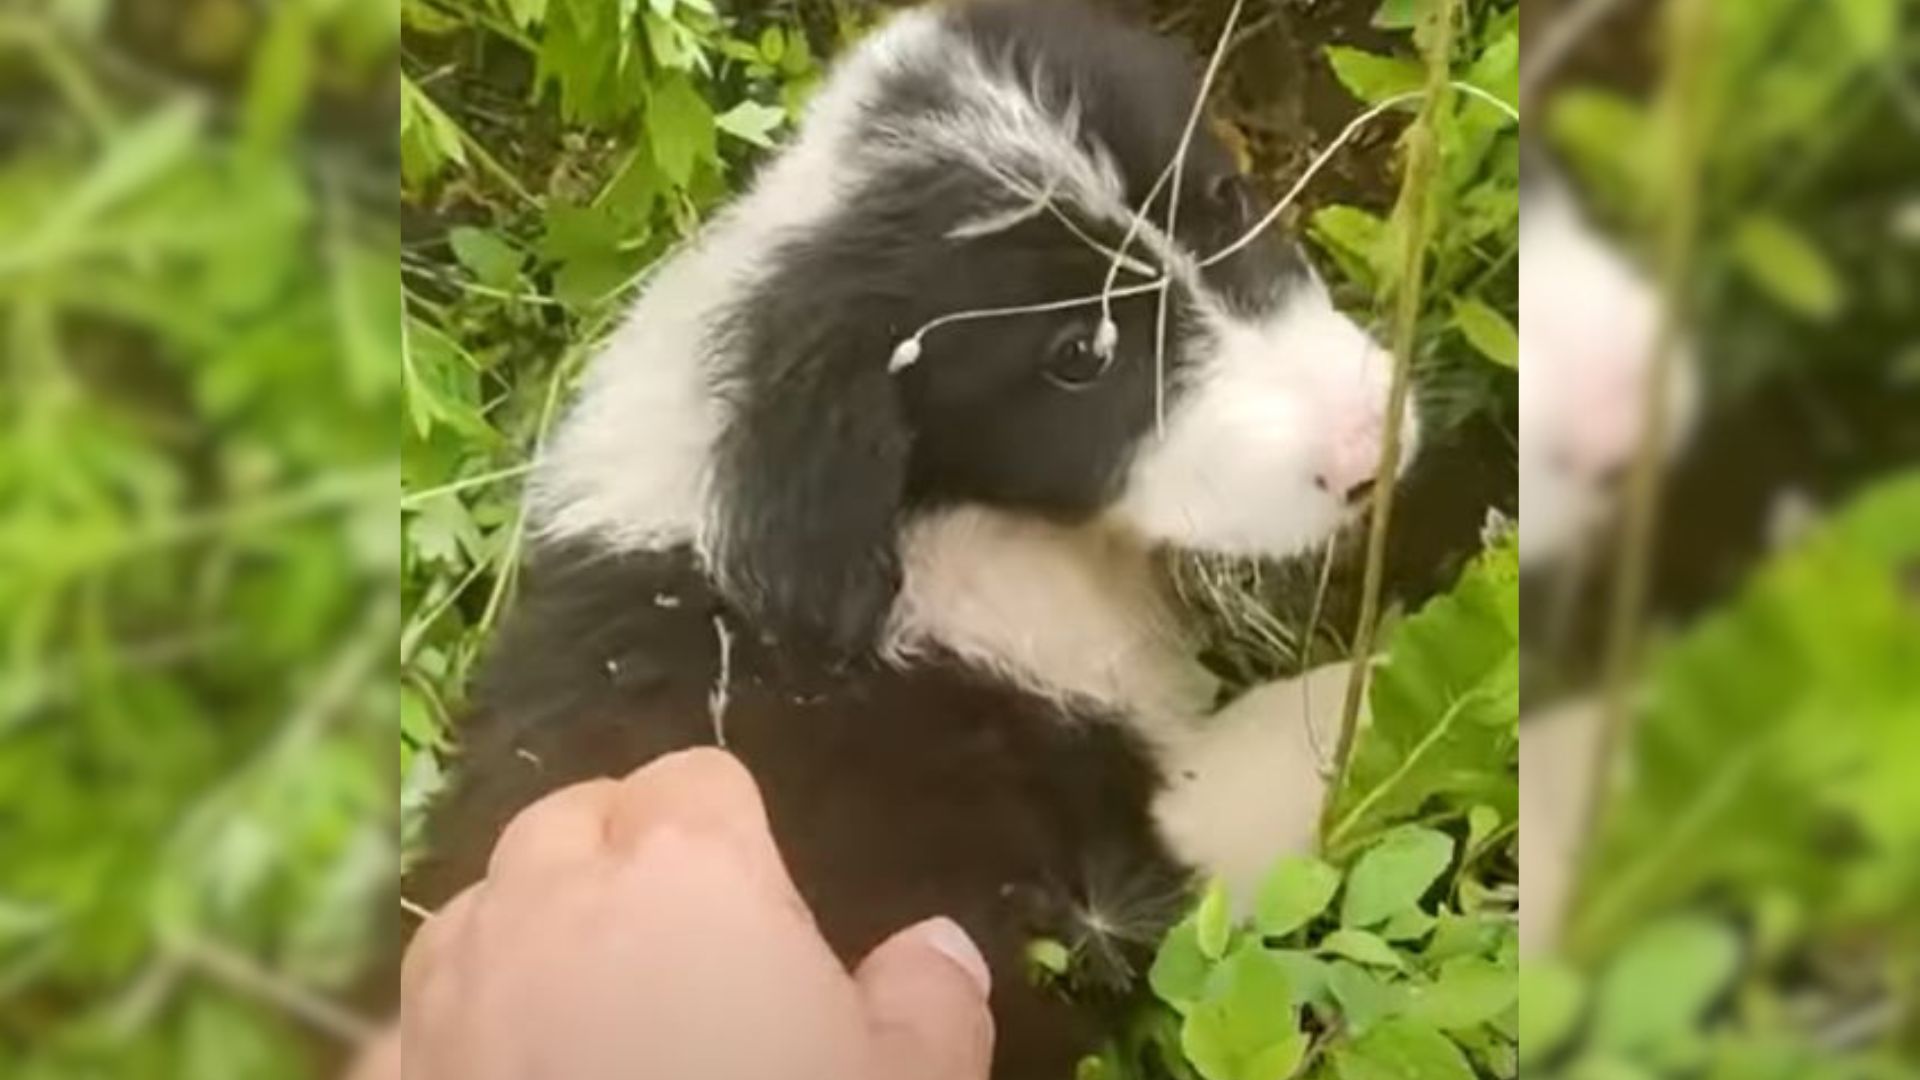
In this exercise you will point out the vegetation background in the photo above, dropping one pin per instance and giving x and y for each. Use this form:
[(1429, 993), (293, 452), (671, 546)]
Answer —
[(199, 570)]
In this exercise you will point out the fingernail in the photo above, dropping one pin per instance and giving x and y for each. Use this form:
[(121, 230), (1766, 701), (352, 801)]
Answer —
[(946, 936)]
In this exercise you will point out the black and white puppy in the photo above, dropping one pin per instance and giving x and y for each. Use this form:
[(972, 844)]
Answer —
[(1589, 328), (919, 600)]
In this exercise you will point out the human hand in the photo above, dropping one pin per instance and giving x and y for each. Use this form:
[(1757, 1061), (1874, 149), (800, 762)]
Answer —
[(647, 928)]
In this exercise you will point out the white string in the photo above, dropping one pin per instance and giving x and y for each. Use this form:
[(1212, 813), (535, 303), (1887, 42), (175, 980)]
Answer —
[(1041, 201), (1107, 336), (1346, 135), (1173, 219), (909, 350), (1490, 98)]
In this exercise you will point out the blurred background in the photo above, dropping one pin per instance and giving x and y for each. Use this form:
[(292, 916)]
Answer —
[(1721, 714), (199, 379)]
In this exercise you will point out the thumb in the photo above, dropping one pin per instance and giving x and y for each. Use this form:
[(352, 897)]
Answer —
[(925, 994)]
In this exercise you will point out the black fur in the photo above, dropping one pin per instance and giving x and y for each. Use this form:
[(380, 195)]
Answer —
[(894, 795)]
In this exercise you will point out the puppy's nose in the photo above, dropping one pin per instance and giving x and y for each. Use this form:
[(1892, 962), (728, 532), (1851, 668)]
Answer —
[(1352, 493), (1349, 472)]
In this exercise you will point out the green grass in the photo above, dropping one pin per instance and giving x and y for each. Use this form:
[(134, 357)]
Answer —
[(197, 562)]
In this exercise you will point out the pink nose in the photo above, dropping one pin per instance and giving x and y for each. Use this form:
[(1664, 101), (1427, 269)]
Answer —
[(1348, 471)]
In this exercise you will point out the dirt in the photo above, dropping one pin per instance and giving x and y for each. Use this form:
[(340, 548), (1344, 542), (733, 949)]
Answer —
[(1281, 95)]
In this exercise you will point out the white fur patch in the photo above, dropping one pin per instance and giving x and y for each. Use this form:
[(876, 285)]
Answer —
[(1268, 412), (1245, 786), (1070, 613), (628, 468), (1588, 324), (1557, 749)]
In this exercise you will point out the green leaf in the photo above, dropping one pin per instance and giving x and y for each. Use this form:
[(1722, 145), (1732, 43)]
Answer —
[(137, 157), (1401, 1049), (1661, 982), (527, 13), (1488, 331), (1395, 15), (429, 138), (1213, 922), (1297, 890), (1409, 925), (1362, 948), (671, 45), (1444, 709), (1482, 822), (1393, 875), (419, 725), (1609, 139), (577, 232), (1373, 78), (282, 70), (1049, 957), (1497, 69), (773, 45), (1179, 973), (490, 259), (441, 383), (1469, 991), (1365, 1000), (1306, 973), (1550, 999), (680, 128), (1246, 1028), (752, 122), (1462, 935), (1358, 239), (1786, 265), (1766, 719), (1873, 25)]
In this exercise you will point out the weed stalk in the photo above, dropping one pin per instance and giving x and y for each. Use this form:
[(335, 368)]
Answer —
[(1415, 211), (1682, 108)]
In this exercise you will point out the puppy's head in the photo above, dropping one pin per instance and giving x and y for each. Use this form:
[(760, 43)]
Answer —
[(988, 157), (1588, 328)]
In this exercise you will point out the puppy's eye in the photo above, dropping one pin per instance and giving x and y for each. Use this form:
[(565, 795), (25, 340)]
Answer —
[(1075, 363)]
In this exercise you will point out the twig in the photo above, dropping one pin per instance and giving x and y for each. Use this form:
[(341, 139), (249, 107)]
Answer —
[(1173, 212), (1306, 654), (509, 560), (1273, 215), (1422, 163), (241, 973), (413, 500), (1682, 98), (720, 697)]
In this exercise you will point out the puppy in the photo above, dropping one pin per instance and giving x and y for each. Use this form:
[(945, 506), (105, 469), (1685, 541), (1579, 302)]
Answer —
[(824, 499), (1589, 323)]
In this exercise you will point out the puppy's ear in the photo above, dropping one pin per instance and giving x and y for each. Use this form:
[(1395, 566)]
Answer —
[(811, 467)]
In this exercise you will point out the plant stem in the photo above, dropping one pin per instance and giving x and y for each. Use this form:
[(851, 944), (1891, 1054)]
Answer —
[(1416, 211), (1689, 34)]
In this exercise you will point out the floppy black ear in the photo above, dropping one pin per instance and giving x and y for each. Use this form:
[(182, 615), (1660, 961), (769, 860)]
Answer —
[(811, 466)]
